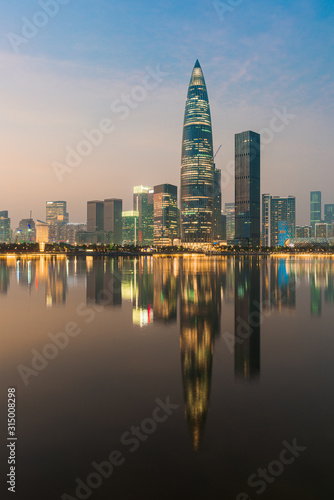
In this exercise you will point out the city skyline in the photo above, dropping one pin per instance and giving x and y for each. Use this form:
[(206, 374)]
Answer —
[(57, 90)]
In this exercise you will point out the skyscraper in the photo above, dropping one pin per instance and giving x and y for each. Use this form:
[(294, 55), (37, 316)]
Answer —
[(197, 169), (247, 188), (130, 224), (165, 214), (56, 218), (5, 231), (95, 216), (26, 231), (217, 207), (329, 218), (143, 204), (278, 219), (315, 209), (113, 220), (230, 220)]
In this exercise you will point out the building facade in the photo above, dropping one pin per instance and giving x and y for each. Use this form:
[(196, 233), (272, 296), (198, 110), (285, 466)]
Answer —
[(247, 188), (230, 221), (57, 219), (197, 169), (113, 220), (42, 232), (278, 219), (218, 233), (26, 232), (95, 216), (143, 204), (315, 209), (5, 231), (303, 232), (130, 224), (165, 215)]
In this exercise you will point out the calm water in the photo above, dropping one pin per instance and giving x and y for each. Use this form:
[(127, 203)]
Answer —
[(243, 349)]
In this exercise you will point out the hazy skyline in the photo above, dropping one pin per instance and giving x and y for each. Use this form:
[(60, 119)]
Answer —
[(258, 60)]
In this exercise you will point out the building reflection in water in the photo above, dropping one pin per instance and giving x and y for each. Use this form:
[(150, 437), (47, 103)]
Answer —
[(165, 290), (4, 277), (137, 287), (279, 284), (104, 282), (247, 319), (200, 310)]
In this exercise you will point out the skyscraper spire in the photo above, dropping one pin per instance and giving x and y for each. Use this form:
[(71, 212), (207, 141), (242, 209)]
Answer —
[(197, 170)]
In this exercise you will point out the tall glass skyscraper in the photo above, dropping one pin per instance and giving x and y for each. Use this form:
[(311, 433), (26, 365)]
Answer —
[(315, 209), (247, 188), (197, 169)]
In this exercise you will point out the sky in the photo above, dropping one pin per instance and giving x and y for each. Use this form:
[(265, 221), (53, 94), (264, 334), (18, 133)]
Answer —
[(92, 96)]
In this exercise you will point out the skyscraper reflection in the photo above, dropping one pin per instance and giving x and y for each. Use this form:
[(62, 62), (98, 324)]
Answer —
[(104, 282), (4, 277), (200, 310), (247, 319), (165, 294)]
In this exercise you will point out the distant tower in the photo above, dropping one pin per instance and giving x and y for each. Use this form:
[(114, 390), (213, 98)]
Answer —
[(315, 209), (197, 169), (247, 188)]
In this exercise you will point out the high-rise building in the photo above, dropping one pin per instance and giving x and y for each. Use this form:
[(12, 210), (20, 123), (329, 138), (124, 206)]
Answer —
[(72, 231), (197, 169), (315, 209), (303, 232), (217, 207), (165, 214), (130, 223), (321, 230), (5, 231), (143, 204), (113, 220), (26, 232), (57, 219), (230, 221), (247, 188), (42, 232), (95, 216), (329, 218), (278, 219)]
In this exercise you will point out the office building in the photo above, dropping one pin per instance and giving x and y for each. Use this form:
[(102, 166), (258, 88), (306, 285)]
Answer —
[(321, 230), (26, 232), (57, 219), (5, 231), (197, 169), (230, 221), (247, 188), (165, 214), (95, 216), (278, 219), (143, 204), (72, 232), (42, 232), (329, 217), (113, 220), (303, 232), (130, 223), (315, 209), (217, 207)]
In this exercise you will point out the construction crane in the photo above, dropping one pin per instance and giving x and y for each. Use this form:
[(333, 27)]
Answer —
[(217, 151)]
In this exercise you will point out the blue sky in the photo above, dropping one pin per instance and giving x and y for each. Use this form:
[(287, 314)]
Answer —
[(258, 58)]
